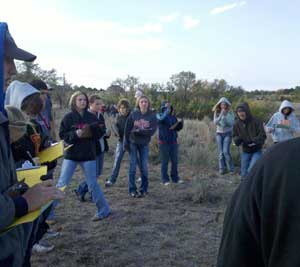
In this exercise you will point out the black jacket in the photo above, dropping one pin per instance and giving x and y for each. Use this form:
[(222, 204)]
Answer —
[(83, 149), (119, 126), (262, 221), (249, 131)]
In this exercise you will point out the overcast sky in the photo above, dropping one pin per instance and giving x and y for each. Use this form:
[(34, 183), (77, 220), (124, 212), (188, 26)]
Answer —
[(253, 43)]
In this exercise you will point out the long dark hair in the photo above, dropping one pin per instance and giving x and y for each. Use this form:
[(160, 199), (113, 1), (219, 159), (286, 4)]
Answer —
[(72, 102)]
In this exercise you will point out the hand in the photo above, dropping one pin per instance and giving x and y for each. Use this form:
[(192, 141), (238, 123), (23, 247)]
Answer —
[(40, 194), (79, 133), (251, 144)]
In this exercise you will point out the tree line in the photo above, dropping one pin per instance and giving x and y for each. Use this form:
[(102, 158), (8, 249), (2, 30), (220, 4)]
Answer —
[(191, 97)]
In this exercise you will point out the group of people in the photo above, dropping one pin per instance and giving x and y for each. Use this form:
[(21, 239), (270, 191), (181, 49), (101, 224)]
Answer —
[(261, 225), (27, 127), (249, 132)]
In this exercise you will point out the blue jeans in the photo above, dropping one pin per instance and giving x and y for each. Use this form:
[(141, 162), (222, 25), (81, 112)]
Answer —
[(169, 152), (83, 188), (223, 143), (89, 169), (248, 160), (141, 152), (119, 153)]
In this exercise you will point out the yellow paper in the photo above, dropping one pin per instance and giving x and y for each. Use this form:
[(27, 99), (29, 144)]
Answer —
[(51, 153), (32, 176), (30, 217)]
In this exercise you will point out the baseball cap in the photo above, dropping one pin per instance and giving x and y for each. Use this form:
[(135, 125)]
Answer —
[(13, 51)]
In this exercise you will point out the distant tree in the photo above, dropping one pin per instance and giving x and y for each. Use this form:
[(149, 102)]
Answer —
[(183, 82), (115, 90)]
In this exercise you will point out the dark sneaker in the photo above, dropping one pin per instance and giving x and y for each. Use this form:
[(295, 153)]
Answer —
[(109, 183), (134, 194), (79, 197), (142, 193)]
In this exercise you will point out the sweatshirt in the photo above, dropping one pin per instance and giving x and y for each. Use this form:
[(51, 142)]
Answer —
[(224, 122), (261, 226), (83, 149), (283, 127), (166, 120), (140, 127), (248, 131)]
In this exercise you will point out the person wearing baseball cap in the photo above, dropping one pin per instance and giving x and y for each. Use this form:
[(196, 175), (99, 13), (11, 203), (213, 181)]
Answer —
[(14, 243)]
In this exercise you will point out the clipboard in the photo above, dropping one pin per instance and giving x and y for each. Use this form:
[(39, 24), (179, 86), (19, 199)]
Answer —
[(51, 153), (32, 176)]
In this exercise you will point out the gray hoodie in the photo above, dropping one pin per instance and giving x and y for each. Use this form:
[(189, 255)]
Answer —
[(283, 127), (223, 121)]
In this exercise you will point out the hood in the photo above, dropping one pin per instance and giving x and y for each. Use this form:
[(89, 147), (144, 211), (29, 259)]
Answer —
[(222, 99), (163, 106), (246, 107), (286, 104), (17, 91)]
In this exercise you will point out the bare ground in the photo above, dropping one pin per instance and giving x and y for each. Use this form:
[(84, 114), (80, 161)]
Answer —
[(178, 225)]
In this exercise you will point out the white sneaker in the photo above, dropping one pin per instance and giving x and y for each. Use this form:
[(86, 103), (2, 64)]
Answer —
[(166, 183), (180, 181), (51, 234), (139, 179), (42, 247)]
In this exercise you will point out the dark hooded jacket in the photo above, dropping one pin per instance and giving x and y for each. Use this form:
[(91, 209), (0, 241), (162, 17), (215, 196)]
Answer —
[(83, 149), (249, 131), (166, 120), (13, 243), (261, 226)]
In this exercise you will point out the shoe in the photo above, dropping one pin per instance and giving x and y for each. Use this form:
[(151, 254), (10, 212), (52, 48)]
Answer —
[(51, 234), (51, 222), (139, 179), (166, 183), (180, 181), (142, 194), (42, 247), (134, 194), (109, 183), (222, 172), (79, 196), (96, 218)]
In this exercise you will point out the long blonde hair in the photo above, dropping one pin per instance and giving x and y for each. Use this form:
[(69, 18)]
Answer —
[(138, 101)]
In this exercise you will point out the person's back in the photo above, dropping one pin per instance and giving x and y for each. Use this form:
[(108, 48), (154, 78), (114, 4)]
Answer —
[(261, 226)]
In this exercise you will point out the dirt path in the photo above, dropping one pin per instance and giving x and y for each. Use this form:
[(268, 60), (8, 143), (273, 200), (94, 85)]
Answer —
[(167, 228)]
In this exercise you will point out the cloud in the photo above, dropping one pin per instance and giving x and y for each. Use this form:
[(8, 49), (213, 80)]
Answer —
[(222, 9), (189, 22), (168, 18)]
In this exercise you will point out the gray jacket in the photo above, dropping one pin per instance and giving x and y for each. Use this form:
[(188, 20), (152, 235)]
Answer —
[(14, 242)]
